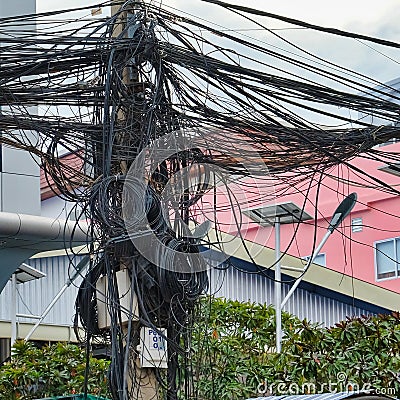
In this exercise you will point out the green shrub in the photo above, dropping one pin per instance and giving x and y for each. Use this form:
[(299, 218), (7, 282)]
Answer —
[(54, 370), (234, 349)]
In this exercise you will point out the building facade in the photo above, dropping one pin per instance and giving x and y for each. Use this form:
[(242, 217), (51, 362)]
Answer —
[(366, 245)]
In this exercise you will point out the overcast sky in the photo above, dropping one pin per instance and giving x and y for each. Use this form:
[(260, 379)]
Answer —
[(375, 18), (365, 15)]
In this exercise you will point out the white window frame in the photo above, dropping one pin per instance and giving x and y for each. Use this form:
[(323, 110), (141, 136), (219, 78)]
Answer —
[(397, 258)]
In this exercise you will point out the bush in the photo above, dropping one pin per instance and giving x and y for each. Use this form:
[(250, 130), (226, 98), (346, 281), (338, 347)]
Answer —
[(233, 354), (234, 349), (54, 370)]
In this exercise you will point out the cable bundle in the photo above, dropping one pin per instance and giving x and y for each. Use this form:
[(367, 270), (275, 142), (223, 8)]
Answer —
[(110, 89)]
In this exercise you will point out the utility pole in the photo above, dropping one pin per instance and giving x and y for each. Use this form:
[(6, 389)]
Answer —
[(139, 382)]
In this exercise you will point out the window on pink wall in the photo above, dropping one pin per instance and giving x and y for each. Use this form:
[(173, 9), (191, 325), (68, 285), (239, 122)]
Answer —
[(387, 255), (357, 225)]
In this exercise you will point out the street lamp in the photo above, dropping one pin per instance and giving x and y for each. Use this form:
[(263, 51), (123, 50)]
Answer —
[(341, 212), (289, 213), (277, 214), (23, 274)]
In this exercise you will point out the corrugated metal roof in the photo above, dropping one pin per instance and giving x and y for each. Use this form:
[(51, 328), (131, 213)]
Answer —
[(321, 396), (237, 285), (33, 297)]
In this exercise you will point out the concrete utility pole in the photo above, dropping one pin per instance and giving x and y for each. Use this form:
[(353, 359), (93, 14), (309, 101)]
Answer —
[(142, 384)]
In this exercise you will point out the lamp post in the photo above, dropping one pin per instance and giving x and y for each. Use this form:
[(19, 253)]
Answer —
[(284, 213), (341, 212), (289, 213), (278, 286), (277, 214), (23, 274)]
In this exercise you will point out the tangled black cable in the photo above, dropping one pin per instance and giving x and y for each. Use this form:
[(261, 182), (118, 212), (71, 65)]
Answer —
[(108, 89)]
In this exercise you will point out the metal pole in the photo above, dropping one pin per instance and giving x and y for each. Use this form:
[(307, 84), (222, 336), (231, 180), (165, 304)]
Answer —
[(341, 212), (46, 311), (144, 383), (28, 316), (13, 309), (310, 261), (78, 270), (278, 285)]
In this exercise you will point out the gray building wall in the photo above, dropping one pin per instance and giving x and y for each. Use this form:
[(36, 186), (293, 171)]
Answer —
[(17, 7), (389, 91), (19, 171)]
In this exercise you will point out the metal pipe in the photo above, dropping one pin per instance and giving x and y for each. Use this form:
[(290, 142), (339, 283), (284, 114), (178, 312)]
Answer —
[(278, 285), (310, 261), (295, 269), (13, 308), (78, 269), (28, 316), (46, 311), (45, 234)]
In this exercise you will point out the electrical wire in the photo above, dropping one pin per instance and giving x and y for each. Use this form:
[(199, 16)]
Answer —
[(103, 91)]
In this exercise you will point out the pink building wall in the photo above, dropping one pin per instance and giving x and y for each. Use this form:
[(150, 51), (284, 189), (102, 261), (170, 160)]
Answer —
[(348, 252)]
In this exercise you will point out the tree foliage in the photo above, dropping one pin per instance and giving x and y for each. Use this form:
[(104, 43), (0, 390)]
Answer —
[(54, 370), (234, 347)]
